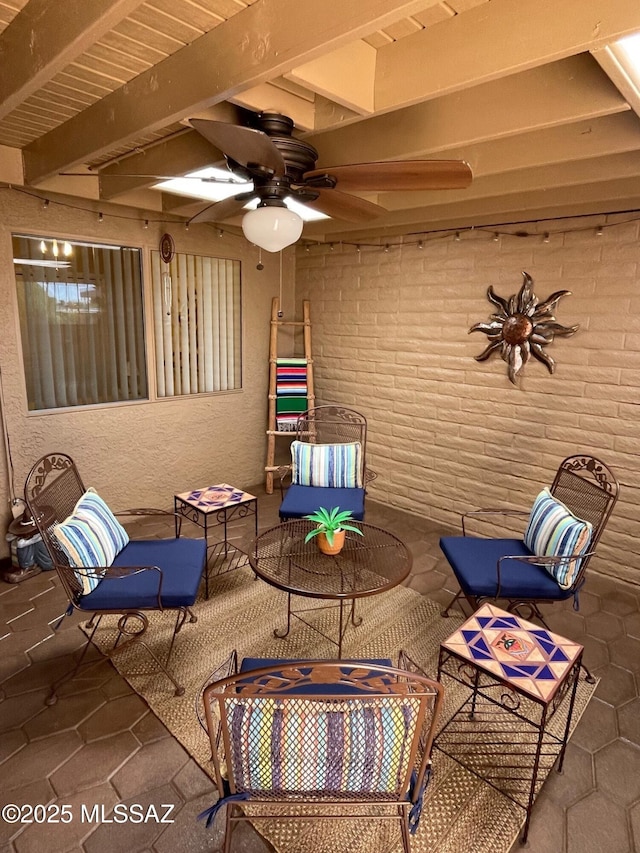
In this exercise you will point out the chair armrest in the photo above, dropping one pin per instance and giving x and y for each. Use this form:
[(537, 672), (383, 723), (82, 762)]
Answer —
[(106, 573), (227, 667), (476, 513), (535, 560), (283, 471)]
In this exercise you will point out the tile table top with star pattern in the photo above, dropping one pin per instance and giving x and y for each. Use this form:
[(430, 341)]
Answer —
[(214, 498), (525, 655)]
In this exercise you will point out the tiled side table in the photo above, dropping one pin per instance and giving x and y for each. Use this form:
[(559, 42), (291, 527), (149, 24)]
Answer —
[(515, 721), (212, 507)]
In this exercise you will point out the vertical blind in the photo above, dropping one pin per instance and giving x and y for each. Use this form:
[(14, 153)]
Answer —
[(197, 324), (82, 325)]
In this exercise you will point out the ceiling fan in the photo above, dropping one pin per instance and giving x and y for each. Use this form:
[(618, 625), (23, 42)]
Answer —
[(264, 152)]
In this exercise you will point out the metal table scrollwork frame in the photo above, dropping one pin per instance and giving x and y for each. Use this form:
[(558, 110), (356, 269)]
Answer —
[(514, 723), (367, 565), (212, 507)]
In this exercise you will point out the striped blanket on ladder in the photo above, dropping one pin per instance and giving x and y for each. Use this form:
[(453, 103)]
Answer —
[(291, 392)]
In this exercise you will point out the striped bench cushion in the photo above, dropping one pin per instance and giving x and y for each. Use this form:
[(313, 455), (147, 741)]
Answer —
[(554, 531), (334, 466), (305, 746)]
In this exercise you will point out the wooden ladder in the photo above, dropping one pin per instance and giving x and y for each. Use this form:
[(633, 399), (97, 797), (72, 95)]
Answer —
[(272, 426)]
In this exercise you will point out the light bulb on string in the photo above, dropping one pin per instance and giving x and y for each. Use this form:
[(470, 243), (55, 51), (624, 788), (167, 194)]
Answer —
[(546, 238), (100, 217)]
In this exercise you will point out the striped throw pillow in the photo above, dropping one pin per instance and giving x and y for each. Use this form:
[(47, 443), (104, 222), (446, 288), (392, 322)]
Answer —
[(335, 466), (554, 531), (91, 537), (301, 746)]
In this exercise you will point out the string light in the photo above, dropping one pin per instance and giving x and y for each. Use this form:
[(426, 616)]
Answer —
[(307, 248), (546, 238), (631, 216), (386, 249)]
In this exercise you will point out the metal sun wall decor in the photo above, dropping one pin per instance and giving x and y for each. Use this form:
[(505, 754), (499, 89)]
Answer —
[(522, 327)]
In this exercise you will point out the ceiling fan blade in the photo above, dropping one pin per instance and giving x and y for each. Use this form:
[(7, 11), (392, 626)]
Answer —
[(221, 210), (246, 146), (398, 175), (342, 206)]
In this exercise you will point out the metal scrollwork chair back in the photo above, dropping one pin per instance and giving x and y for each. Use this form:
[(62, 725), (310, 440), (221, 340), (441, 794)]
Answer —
[(549, 562), (312, 734), (328, 466), (146, 575)]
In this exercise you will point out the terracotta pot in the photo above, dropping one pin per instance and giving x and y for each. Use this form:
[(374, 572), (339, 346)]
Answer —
[(338, 542)]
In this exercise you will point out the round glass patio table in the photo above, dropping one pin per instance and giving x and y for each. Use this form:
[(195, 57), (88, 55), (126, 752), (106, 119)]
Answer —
[(367, 565)]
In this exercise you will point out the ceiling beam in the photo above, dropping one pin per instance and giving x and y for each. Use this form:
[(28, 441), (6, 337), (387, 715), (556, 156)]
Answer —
[(611, 60), (172, 158), (547, 177), (601, 197), (246, 50), (44, 38), (573, 89), (345, 75), (446, 58), (596, 137)]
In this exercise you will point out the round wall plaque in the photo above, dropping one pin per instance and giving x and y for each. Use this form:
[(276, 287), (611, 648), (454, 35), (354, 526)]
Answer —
[(167, 248)]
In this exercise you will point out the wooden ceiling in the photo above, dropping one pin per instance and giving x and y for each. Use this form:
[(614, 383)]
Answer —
[(531, 95)]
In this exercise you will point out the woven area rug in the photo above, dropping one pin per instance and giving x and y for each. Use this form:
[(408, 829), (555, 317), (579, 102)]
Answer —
[(461, 813)]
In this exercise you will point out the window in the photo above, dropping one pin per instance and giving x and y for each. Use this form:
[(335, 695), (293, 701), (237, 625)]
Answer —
[(198, 324), (81, 321)]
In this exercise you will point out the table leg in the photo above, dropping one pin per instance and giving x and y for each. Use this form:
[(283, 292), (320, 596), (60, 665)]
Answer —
[(574, 690), (341, 629), (277, 632), (356, 622), (536, 766), (474, 698)]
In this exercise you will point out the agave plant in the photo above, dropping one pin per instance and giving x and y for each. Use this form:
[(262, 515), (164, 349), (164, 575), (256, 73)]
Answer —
[(329, 521)]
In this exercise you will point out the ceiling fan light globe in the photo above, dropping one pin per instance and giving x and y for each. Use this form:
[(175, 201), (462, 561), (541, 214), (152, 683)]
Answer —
[(272, 228)]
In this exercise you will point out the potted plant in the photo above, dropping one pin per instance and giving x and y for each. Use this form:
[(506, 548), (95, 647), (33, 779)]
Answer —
[(331, 528)]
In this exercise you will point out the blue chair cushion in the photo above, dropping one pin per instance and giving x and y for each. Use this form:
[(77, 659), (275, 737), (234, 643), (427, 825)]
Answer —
[(303, 500), (182, 562), (249, 664), (474, 562)]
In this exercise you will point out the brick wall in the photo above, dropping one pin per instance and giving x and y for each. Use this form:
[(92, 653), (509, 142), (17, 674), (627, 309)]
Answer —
[(447, 433)]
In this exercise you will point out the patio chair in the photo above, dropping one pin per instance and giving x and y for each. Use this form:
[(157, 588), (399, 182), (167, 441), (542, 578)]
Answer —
[(549, 562), (327, 463), (295, 738), (101, 570)]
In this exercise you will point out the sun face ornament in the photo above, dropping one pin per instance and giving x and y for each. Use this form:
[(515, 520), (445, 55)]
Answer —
[(522, 327)]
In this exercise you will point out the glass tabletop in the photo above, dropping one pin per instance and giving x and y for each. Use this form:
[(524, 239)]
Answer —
[(368, 564)]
